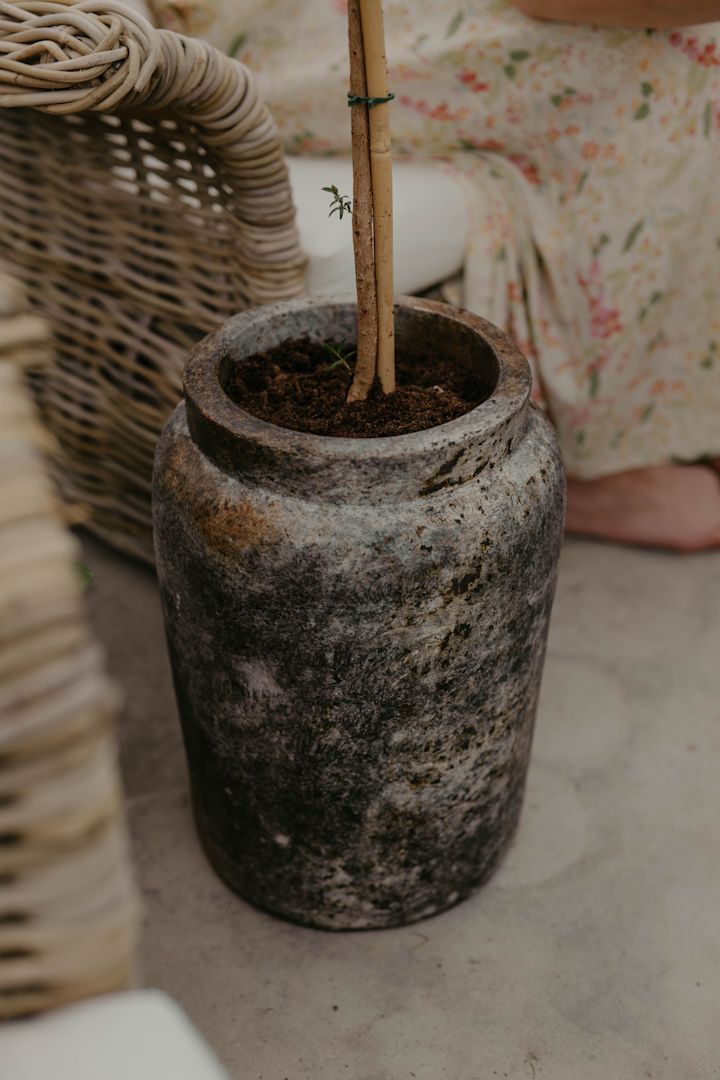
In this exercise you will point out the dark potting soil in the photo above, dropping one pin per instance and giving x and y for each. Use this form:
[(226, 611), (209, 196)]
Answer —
[(303, 385)]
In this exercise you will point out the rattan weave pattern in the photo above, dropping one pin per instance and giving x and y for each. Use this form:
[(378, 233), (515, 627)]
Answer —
[(68, 909), (144, 199)]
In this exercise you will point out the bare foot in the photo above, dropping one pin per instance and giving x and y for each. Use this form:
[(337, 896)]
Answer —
[(666, 506)]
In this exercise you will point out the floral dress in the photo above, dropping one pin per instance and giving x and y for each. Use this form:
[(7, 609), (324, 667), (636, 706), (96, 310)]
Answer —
[(592, 159)]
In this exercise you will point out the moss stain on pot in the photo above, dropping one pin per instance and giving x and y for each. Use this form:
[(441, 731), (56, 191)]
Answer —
[(357, 629)]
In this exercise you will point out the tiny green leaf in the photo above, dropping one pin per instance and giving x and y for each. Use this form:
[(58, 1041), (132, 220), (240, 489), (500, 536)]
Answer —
[(581, 182), (340, 204), (643, 111), (557, 100), (519, 54), (707, 119), (455, 23), (510, 70), (237, 43), (647, 89), (633, 234), (648, 411), (594, 382)]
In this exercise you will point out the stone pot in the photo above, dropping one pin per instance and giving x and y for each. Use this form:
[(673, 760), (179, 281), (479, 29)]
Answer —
[(357, 627)]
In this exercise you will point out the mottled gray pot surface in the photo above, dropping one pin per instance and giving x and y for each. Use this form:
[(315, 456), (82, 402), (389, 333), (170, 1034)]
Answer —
[(357, 627)]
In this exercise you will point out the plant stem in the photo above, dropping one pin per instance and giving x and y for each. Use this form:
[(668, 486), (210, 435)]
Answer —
[(381, 172), (362, 222)]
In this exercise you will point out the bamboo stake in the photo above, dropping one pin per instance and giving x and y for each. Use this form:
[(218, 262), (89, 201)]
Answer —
[(381, 174), (362, 218)]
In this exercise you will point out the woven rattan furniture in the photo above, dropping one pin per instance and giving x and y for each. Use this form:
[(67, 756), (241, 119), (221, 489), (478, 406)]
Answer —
[(144, 199), (68, 911)]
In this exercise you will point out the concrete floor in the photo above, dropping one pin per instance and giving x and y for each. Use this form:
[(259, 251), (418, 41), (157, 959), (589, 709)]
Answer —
[(594, 954)]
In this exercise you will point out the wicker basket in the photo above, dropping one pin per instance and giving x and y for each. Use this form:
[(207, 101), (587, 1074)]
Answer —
[(68, 912), (145, 199)]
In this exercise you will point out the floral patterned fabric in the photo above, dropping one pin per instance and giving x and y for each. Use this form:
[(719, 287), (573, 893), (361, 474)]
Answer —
[(593, 161)]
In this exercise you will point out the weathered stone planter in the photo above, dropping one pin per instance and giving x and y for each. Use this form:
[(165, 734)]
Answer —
[(357, 628)]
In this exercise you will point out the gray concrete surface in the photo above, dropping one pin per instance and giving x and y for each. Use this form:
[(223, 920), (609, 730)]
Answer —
[(594, 953)]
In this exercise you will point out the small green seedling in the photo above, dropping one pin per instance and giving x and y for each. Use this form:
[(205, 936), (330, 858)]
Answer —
[(340, 204), (341, 355)]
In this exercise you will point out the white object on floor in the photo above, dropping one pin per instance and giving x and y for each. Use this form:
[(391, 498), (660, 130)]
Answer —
[(430, 222), (142, 1035)]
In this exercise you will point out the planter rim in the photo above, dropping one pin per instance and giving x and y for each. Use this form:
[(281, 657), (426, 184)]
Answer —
[(221, 428)]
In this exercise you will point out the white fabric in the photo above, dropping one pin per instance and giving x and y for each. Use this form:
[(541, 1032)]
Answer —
[(136, 1036), (430, 224)]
